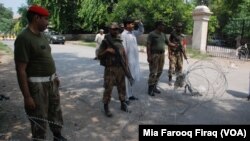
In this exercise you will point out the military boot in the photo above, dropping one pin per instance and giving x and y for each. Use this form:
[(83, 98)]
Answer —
[(151, 90), (170, 81), (124, 107), (156, 90), (107, 111), (59, 137)]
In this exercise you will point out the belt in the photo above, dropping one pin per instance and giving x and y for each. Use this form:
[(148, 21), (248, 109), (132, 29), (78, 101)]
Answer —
[(157, 51), (42, 79)]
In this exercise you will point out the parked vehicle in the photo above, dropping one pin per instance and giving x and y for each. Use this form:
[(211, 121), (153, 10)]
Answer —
[(55, 37), (216, 42)]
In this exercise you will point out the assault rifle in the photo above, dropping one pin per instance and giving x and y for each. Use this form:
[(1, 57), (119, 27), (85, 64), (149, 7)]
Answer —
[(121, 60), (179, 45)]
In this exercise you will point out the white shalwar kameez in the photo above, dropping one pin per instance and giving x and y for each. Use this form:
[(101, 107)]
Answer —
[(129, 42)]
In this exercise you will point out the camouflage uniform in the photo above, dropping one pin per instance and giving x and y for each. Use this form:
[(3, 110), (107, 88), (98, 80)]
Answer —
[(175, 56), (36, 53), (113, 73), (114, 76), (156, 68), (47, 99), (156, 43)]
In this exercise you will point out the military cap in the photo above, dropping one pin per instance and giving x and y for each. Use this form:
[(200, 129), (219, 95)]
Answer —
[(38, 10), (101, 30)]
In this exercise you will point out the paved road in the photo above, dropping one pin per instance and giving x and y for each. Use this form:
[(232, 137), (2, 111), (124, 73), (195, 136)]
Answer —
[(222, 102)]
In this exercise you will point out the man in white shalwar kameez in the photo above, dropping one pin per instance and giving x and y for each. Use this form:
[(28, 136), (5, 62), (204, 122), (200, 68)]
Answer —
[(129, 41), (98, 39)]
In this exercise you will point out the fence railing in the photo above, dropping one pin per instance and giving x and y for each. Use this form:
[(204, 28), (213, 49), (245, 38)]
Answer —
[(218, 51)]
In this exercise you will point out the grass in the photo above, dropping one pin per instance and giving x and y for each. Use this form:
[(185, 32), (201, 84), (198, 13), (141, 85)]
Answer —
[(90, 44), (196, 54), (4, 49)]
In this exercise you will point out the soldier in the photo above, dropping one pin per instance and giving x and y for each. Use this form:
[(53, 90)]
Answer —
[(36, 74), (156, 43), (176, 54), (114, 74)]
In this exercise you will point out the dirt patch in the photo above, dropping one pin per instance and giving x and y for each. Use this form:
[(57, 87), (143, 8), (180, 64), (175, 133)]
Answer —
[(5, 58)]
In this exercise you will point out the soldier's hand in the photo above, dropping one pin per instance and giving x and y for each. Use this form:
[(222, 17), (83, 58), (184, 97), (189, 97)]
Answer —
[(57, 81), (29, 103), (110, 50)]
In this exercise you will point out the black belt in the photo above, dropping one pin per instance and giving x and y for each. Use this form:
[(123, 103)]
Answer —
[(157, 51)]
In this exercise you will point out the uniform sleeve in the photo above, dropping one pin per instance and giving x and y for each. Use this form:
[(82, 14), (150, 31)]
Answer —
[(21, 49), (102, 48), (149, 39), (166, 39)]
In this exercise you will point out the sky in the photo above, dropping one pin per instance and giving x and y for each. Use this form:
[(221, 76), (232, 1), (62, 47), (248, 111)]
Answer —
[(13, 4)]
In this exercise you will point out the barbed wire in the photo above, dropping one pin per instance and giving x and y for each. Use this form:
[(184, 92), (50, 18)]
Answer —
[(204, 80), (205, 77)]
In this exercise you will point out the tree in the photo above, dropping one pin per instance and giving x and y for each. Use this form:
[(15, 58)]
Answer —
[(239, 22), (149, 11), (6, 19), (93, 14), (224, 10), (63, 14)]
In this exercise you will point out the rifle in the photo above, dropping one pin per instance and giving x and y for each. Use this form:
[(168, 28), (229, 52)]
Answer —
[(121, 60), (179, 45)]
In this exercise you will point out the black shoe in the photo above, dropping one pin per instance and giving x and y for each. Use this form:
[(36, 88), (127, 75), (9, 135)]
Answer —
[(107, 111), (124, 107), (157, 90), (60, 138), (151, 90), (133, 98), (95, 58), (127, 102)]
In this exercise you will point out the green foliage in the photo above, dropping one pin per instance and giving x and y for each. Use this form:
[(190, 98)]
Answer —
[(223, 11), (239, 19), (63, 14), (77, 16), (93, 13), (4, 48), (150, 11), (213, 25), (90, 15), (6, 21)]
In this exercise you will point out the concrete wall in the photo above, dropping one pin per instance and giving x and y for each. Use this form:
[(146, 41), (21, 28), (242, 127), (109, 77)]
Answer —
[(142, 40)]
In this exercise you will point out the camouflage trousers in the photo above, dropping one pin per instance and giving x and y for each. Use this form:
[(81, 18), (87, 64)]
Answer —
[(114, 76), (175, 63), (47, 100), (156, 68)]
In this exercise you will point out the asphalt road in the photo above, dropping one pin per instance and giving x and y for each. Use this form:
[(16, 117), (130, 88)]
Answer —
[(223, 100)]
